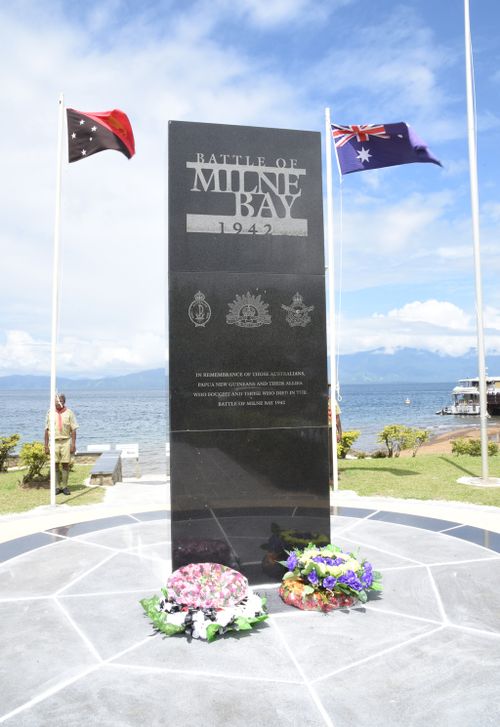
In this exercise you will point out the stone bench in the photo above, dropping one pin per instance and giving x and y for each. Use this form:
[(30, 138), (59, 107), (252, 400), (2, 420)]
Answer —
[(107, 470)]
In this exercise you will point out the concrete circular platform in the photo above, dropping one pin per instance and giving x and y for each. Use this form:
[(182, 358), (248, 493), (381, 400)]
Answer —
[(77, 648)]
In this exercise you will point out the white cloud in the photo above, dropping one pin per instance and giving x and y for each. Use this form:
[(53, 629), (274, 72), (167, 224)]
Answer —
[(269, 13), (437, 326), (113, 218), (22, 353), (389, 334), (435, 312), (491, 318), (491, 211), (423, 238), (458, 252), (383, 228), (394, 67), (455, 167)]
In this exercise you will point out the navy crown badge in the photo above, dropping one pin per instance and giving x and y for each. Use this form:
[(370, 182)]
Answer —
[(297, 312), (199, 311), (248, 311)]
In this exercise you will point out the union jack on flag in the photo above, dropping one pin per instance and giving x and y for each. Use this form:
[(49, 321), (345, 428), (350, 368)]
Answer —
[(343, 134), (373, 146)]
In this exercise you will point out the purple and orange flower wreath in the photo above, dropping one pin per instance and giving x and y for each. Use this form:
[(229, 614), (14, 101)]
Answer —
[(324, 578)]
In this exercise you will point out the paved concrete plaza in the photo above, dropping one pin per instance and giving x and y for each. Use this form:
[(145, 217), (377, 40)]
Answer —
[(77, 649)]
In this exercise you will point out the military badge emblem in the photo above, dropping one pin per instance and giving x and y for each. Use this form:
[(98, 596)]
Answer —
[(298, 313), (199, 311), (248, 311)]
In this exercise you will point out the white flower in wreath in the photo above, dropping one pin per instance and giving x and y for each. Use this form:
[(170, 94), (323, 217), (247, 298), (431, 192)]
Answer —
[(252, 606), (200, 629), (353, 565), (176, 619), (224, 616)]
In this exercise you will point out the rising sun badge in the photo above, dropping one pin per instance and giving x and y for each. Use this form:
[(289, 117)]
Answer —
[(199, 311), (298, 313), (248, 311)]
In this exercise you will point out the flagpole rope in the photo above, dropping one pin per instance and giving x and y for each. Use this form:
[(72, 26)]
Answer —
[(473, 84), (60, 274), (55, 301), (339, 286), (338, 308), (60, 255)]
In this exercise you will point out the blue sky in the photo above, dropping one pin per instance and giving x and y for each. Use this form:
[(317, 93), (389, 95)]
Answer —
[(407, 270)]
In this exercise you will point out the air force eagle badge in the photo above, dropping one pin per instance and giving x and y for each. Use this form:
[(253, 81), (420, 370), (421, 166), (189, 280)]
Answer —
[(298, 313)]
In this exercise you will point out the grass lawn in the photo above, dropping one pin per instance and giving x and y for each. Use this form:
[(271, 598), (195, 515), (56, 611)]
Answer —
[(424, 477), (14, 498)]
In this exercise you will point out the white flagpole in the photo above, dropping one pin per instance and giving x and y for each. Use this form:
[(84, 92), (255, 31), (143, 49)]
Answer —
[(471, 130), (55, 301), (331, 296)]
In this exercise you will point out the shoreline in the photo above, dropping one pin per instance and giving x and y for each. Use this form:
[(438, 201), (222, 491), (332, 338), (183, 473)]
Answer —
[(441, 443)]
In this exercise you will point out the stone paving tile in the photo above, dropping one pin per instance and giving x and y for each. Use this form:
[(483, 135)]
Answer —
[(90, 526), (127, 697), (378, 558), (476, 535), (446, 679), (159, 552), (470, 593), (257, 653), (409, 592), (45, 571), (122, 572), (420, 545), (339, 523), (355, 512), (321, 642), (18, 546), (112, 623), (153, 515), (39, 649), (416, 521), (130, 536)]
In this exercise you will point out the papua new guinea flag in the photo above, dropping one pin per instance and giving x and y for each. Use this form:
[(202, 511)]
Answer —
[(373, 146), (91, 132)]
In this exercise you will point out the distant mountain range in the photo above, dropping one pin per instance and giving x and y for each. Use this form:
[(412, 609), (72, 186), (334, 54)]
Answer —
[(368, 367), (153, 379), (410, 365)]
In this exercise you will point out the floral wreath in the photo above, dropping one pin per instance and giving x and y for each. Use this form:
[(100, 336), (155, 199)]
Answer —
[(326, 578), (204, 601)]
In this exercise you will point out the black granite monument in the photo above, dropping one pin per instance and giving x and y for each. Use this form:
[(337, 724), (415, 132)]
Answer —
[(247, 335)]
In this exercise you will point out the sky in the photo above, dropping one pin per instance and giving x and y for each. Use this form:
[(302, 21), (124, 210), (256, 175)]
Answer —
[(404, 255)]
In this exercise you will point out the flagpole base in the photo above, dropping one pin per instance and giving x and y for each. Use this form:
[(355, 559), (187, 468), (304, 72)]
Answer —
[(479, 481)]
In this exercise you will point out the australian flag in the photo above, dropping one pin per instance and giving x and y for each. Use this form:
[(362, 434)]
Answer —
[(373, 146), (91, 132)]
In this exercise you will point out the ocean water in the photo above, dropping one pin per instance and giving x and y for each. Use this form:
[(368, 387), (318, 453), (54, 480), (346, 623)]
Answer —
[(105, 417), (119, 417), (370, 407)]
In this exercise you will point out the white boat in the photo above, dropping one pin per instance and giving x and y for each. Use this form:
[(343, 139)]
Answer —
[(466, 397)]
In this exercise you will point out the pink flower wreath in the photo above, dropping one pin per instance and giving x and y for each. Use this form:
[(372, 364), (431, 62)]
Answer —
[(207, 585)]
